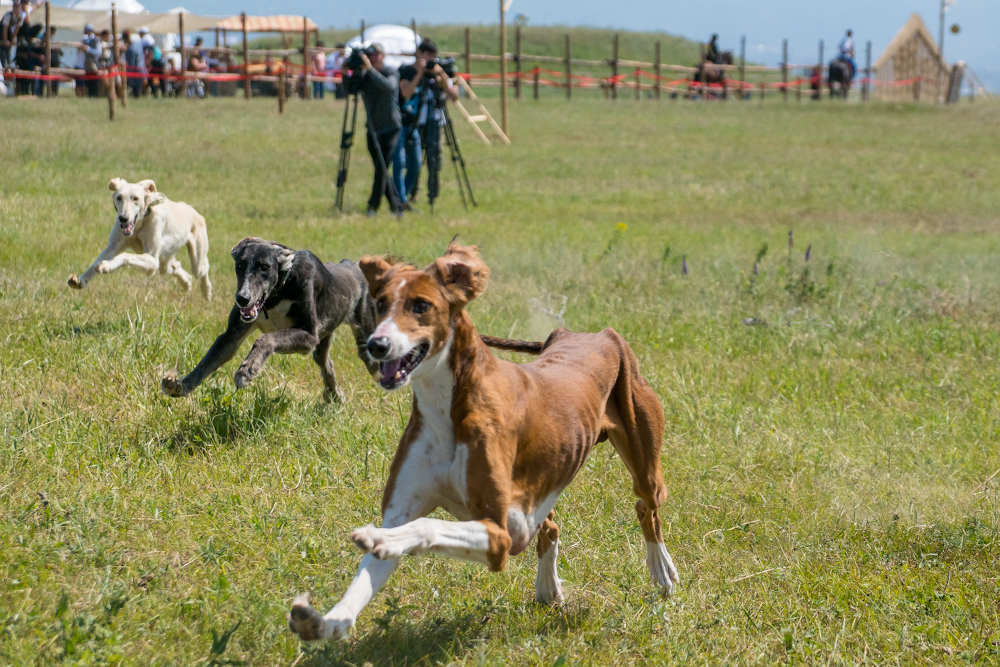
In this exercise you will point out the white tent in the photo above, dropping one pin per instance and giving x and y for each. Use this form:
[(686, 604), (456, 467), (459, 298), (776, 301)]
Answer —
[(395, 39), (123, 6)]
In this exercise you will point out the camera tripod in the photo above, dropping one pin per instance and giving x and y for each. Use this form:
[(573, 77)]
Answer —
[(344, 163), (432, 150)]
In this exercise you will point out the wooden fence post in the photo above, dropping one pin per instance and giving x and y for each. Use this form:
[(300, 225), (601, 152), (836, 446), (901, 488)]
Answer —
[(517, 62), (784, 71), (503, 67), (180, 29), (868, 73), (282, 83), (614, 68), (569, 71), (468, 55), (701, 68), (657, 67), (819, 76), (362, 31), (743, 64), (305, 58), (246, 57), (114, 47), (48, 51), (536, 81)]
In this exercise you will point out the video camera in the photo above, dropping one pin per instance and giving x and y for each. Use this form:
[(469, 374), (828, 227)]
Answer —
[(447, 64), (351, 71)]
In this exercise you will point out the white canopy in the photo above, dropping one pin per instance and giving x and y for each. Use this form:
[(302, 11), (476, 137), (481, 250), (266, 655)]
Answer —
[(123, 6), (394, 39)]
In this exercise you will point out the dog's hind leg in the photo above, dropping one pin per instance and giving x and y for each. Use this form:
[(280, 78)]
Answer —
[(634, 424), (321, 355), (174, 268), (198, 254), (547, 586)]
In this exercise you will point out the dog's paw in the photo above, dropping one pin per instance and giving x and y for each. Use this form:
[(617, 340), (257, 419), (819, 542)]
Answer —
[(661, 568), (104, 267), (74, 282), (242, 377), (306, 622), (376, 541), (337, 396), (171, 385)]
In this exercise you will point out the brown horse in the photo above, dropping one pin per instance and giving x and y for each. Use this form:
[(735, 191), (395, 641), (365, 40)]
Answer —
[(712, 74)]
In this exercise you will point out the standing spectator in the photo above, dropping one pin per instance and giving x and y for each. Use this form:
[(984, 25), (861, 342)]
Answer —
[(135, 63), (196, 63), (10, 27), (92, 49), (380, 90), (154, 66), (333, 68), (319, 69)]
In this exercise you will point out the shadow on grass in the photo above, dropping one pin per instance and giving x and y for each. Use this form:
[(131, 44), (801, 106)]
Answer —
[(68, 331), (440, 640), (229, 416)]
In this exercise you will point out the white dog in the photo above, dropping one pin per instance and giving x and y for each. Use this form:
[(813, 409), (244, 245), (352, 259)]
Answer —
[(151, 224)]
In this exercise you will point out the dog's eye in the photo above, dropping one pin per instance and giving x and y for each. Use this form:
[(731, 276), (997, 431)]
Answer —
[(119, 197), (241, 266), (420, 306), (264, 267), (382, 305)]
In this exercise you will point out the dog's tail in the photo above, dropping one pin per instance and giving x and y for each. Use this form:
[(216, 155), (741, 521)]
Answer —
[(524, 346)]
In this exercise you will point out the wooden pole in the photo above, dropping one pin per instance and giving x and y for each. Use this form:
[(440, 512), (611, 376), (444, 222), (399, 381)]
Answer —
[(305, 58), (657, 67), (117, 61), (701, 67), (216, 38), (784, 71), (362, 31), (517, 62), (819, 78), (503, 67), (468, 55), (282, 85), (614, 68), (569, 70), (114, 47), (868, 73), (743, 64), (180, 28), (48, 50), (536, 81), (638, 84), (246, 57)]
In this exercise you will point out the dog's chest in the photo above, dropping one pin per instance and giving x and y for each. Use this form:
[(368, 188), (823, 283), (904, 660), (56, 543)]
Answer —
[(276, 318)]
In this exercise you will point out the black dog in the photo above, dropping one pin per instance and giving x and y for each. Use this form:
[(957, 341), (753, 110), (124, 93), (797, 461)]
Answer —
[(302, 300)]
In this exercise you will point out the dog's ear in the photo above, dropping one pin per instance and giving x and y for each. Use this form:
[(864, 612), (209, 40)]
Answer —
[(148, 185), (286, 258), (376, 270), (116, 183), (152, 196), (462, 272), (238, 248)]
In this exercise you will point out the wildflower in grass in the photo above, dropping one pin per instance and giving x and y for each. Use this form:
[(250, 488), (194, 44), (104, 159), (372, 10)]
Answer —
[(622, 227), (616, 238), (755, 269), (808, 250), (791, 242), (684, 264)]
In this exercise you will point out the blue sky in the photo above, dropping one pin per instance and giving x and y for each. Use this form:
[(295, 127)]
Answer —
[(765, 24)]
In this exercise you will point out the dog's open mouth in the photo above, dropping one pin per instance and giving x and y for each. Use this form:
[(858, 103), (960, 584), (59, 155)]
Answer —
[(395, 373), (128, 227), (249, 314)]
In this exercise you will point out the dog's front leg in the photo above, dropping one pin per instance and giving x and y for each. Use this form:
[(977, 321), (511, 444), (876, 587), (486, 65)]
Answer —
[(144, 262), (115, 245), (222, 350), (306, 622), (286, 341)]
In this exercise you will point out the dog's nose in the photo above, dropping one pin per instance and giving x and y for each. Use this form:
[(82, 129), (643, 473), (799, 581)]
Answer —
[(379, 347), (123, 219), (242, 301)]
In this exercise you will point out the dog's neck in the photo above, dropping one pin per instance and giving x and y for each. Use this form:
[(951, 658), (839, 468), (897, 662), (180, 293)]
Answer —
[(463, 355)]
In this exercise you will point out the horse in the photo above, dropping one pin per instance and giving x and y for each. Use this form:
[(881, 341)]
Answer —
[(710, 73), (839, 78)]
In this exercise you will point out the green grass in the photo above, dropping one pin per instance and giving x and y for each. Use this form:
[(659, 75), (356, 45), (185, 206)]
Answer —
[(829, 466)]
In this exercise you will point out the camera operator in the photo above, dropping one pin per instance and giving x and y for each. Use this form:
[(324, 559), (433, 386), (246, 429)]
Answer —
[(424, 89), (380, 89)]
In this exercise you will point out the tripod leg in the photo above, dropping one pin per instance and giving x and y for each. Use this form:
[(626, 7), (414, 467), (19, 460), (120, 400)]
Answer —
[(346, 142)]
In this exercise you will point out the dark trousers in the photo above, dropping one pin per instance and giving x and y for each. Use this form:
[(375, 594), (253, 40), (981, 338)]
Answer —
[(386, 146)]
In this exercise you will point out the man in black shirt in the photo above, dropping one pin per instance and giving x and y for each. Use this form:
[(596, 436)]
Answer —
[(380, 89)]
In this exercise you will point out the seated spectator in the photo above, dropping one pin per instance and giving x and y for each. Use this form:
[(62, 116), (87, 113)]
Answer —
[(318, 69), (334, 63)]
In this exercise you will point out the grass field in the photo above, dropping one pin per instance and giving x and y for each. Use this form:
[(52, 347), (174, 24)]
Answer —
[(832, 418)]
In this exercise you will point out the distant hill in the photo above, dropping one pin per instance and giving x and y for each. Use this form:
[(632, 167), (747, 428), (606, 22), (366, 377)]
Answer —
[(587, 43)]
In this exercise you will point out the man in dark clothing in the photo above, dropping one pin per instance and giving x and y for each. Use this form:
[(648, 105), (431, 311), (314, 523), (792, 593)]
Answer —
[(380, 91), (712, 54)]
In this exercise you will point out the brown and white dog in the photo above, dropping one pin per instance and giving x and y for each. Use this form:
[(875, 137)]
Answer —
[(492, 442)]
